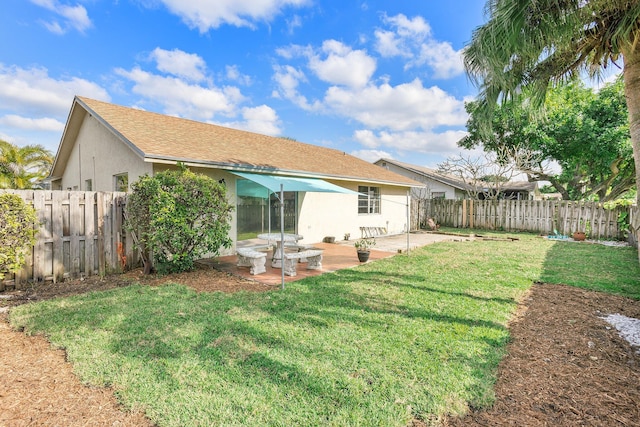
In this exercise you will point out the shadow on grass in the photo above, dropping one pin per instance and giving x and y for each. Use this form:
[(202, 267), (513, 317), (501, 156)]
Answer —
[(339, 345), (408, 281)]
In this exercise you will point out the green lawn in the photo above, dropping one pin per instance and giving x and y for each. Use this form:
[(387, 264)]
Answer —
[(401, 338)]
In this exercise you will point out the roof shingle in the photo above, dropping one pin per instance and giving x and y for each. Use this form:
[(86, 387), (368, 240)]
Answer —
[(161, 137)]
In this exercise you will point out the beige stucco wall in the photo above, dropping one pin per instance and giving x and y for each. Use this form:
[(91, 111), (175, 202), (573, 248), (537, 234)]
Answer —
[(98, 155), (333, 214)]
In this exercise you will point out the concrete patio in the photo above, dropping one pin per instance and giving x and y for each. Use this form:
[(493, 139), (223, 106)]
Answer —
[(336, 256)]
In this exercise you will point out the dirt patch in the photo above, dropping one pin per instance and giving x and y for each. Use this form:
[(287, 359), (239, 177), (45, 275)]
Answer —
[(203, 279), (566, 365)]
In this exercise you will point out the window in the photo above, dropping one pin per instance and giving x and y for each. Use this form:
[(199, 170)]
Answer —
[(88, 185), (437, 194), (121, 182), (368, 200)]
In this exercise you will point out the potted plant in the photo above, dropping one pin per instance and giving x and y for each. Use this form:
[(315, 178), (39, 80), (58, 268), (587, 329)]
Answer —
[(363, 247)]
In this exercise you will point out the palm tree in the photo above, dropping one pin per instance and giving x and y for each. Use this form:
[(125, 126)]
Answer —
[(528, 44), (23, 167)]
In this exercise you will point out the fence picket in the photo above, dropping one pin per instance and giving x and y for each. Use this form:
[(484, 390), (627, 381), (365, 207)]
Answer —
[(540, 216), (76, 235), (57, 229)]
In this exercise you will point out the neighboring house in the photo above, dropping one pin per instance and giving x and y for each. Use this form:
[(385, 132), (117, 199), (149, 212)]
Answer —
[(106, 147), (436, 185), (521, 190)]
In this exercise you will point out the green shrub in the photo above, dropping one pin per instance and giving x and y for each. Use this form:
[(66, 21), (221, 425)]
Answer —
[(179, 216), (17, 232)]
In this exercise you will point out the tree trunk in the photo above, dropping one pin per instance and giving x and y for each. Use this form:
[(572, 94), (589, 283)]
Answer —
[(631, 72)]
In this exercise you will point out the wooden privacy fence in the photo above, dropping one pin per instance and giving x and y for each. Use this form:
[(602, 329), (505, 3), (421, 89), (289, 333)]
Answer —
[(80, 234), (540, 216)]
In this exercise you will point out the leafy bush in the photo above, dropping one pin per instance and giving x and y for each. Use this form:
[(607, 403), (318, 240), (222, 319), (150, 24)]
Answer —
[(179, 216), (17, 232), (623, 216)]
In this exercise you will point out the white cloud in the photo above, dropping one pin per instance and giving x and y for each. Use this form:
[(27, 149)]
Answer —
[(401, 117), (205, 14), (34, 105), (179, 63), (32, 91), (388, 44), (403, 107), (416, 28), (442, 58), (288, 79), (54, 27), (367, 138), (334, 62), (232, 73), (46, 124), (341, 65), (293, 23), (75, 17), (180, 98), (371, 155), (262, 119), (428, 142), (294, 50), (413, 39)]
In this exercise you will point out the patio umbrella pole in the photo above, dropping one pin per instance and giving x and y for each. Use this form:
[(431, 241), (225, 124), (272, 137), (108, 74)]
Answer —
[(408, 219), (282, 232)]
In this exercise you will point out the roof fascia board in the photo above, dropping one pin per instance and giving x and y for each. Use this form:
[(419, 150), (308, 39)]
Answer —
[(65, 132)]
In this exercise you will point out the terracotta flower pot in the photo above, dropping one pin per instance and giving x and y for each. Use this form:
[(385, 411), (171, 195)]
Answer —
[(579, 236)]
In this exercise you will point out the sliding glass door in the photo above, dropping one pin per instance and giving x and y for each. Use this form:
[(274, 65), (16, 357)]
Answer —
[(258, 210)]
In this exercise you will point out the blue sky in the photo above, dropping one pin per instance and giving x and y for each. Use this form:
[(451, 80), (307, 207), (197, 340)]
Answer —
[(372, 78)]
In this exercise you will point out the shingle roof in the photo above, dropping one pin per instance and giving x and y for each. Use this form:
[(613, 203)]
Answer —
[(159, 137), (457, 182), (431, 173)]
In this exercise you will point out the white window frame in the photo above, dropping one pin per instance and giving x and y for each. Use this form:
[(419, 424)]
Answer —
[(369, 199)]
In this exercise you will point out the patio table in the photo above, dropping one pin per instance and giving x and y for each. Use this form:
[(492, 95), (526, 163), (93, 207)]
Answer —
[(276, 261)]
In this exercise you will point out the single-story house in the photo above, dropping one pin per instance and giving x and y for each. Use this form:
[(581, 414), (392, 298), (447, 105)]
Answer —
[(107, 147), (437, 185)]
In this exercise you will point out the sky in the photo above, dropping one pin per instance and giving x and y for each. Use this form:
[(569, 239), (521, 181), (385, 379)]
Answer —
[(371, 78)]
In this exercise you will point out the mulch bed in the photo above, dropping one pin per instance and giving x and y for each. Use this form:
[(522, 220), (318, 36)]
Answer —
[(565, 365)]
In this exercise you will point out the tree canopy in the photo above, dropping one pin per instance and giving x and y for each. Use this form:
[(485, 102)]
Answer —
[(23, 167), (584, 131), (526, 45)]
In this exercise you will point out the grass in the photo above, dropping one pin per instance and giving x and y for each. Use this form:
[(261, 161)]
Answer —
[(401, 338)]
